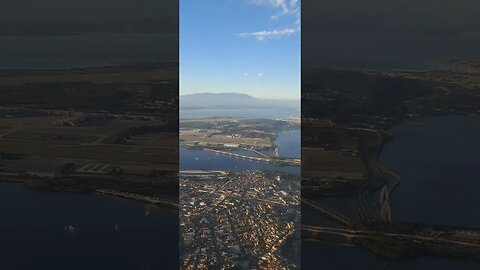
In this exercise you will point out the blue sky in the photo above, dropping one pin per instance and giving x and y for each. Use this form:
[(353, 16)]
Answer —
[(241, 46)]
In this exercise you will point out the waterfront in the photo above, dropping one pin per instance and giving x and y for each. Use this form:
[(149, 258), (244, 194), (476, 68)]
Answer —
[(437, 161), (67, 230), (108, 232), (288, 141), (256, 220)]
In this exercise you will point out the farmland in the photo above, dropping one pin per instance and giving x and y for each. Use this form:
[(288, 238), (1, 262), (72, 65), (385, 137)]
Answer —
[(113, 125)]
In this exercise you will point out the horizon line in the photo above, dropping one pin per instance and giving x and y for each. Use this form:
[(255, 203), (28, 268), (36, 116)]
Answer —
[(238, 93)]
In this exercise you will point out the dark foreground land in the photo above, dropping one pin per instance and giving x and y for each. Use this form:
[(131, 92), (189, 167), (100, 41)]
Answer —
[(104, 128)]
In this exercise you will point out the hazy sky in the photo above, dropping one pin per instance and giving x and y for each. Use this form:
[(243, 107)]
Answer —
[(77, 33), (242, 46), (389, 33), (39, 17)]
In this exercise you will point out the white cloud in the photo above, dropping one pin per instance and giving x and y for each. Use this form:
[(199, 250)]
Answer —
[(272, 3), (290, 8), (298, 16), (261, 35), (260, 74), (287, 7), (245, 74)]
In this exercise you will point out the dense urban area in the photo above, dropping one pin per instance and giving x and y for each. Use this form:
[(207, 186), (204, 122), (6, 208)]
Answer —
[(240, 220)]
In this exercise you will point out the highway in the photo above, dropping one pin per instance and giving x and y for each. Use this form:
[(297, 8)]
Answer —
[(264, 159), (202, 172), (296, 162), (362, 209), (336, 217), (375, 234), (254, 151), (137, 197)]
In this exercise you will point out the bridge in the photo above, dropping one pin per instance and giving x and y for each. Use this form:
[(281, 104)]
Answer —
[(332, 215), (255, 151), (291, 162), (363, 209), (294, 161), (395, 184), (313, 231), (229, 154), (201, 173), (385, 211), (137, 197)]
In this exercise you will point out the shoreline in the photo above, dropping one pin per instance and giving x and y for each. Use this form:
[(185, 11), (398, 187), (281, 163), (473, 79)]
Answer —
[(18, 181), (144, 199)]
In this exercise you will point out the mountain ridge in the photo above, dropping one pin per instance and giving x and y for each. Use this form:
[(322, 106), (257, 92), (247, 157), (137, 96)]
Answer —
[(208, 100)]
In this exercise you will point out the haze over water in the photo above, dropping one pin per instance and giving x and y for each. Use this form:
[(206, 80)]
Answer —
[(240, 113)]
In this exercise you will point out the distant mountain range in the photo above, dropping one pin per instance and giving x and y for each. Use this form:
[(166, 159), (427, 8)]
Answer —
[(232, 101)]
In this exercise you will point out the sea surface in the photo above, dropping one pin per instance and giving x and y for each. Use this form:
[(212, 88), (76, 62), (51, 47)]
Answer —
[(110, 233), (437, 159), (439, 162)]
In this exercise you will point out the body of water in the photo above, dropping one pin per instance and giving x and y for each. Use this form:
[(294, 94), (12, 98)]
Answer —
[(438, 162), (288, 141), (240, 113), (110, 233)]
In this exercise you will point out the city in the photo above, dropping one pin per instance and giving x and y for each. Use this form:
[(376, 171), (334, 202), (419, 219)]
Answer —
[(240, 220), (239, 193)]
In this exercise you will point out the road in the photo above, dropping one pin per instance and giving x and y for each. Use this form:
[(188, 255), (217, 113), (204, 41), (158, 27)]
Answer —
[(374, 234), (295, 162)]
